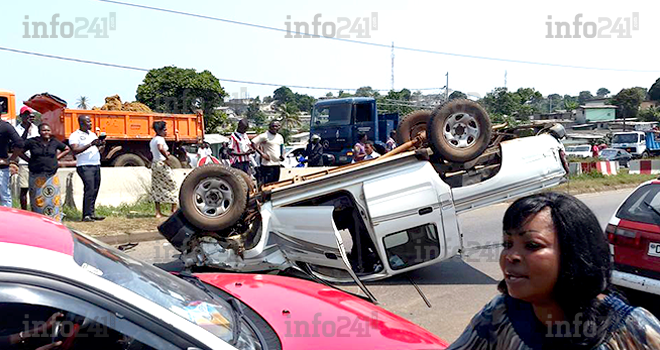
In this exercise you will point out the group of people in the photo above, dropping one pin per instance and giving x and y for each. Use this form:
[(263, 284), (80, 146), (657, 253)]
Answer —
[(268, 147), (34, 161), (365, 149)]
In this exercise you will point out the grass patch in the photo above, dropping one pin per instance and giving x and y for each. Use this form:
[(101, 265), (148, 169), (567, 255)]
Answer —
[(597, 182), (141, 209)]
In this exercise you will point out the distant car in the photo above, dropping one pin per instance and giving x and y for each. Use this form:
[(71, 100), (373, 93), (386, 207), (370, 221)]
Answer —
[(618, 155), (292, 155), (579, 151), (634, 236), (110, 300)]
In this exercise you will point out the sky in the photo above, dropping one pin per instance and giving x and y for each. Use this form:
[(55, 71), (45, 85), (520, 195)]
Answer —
[(477, 43)]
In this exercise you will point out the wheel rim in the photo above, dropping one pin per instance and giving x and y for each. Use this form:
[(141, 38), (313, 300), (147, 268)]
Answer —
[(213, 197), (461, 130)]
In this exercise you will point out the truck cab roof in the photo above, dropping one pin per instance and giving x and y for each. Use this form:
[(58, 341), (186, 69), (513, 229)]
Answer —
[(344, 100)]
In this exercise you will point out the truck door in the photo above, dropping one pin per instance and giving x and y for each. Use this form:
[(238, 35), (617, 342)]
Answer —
[(407, 211), (309, 235)]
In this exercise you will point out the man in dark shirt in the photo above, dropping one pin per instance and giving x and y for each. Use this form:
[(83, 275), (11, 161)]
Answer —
[(8, 138), (314, 152)]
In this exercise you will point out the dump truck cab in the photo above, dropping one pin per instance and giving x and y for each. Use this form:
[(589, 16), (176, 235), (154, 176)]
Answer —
[(8, 106)]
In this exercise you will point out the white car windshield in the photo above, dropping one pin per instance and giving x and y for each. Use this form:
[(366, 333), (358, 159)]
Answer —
[(166, 290), (582, 149)]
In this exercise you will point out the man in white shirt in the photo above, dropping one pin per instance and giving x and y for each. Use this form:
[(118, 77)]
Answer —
[(270, 146), (86, 146), (369, 150), (26, 130)]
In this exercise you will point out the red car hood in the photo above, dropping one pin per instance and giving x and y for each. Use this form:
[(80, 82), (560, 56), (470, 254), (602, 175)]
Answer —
[(307, 315)]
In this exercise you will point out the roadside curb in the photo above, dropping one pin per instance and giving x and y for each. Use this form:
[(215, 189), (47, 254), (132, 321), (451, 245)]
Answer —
[(131, 237)]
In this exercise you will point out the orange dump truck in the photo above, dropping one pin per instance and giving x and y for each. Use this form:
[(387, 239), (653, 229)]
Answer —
[(128, 133)]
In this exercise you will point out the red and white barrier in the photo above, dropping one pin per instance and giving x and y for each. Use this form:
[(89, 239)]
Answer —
[(208, 160), (605, 168), (645, 166)]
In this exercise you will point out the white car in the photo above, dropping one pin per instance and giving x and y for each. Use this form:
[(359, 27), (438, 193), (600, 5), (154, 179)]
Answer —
[(364, 221), (579, 151)]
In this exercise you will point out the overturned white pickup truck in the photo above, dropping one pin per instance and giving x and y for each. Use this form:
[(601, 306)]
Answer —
[(368, 220)]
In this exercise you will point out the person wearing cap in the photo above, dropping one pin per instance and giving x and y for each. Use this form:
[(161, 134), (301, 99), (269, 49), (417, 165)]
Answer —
[(314, 151), (26, 130)]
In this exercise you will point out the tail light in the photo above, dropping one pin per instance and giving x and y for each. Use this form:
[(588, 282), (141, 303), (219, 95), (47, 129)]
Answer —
[(623, 237)]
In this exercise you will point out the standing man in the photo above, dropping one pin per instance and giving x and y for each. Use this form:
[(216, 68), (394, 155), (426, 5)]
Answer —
[(240, 147), (314, 152), (26, 130), (86, 146), (270, 146), (8, 165)]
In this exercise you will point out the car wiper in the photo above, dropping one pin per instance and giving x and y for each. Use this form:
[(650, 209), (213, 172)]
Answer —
[(652, 208), (236, 307)]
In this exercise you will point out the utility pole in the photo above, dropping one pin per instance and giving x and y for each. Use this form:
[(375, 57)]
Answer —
[(392, 65), (447, 88), (505, 79)]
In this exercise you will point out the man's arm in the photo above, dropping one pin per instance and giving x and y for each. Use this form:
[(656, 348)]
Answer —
[(77, 148), (17, 143)]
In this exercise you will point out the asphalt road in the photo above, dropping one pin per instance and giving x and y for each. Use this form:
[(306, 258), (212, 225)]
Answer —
[(457, 288)]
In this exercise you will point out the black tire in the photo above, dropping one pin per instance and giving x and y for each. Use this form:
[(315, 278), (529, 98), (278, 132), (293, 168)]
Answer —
[(247, 178), (174, 162), (411, 125), (450, 126), (207, 186), (128, 159)]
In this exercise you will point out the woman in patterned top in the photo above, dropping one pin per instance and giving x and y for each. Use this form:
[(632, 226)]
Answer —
[(556, 292)]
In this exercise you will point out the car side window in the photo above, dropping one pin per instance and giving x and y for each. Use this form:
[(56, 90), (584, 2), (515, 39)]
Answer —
[(41, 316)]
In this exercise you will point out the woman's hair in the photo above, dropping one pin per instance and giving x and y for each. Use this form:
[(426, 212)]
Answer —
[(585, 267), (42, 125), (159, 126)]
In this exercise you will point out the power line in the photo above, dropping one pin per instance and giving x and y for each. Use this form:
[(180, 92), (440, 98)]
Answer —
[(376, 44), (113, 65)]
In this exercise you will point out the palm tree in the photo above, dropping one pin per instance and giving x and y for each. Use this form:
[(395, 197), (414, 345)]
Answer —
[(571, 105), (82, 102), (289, 116)]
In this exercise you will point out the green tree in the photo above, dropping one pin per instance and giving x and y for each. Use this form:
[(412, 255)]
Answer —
[(584, 96), (305, 103), (520, 104), (654, 91), (178, 90), (554, 101), (396, 102), (329, 94), (628, 101), (456, 95), (366, 91), (602, 92), (571, 105), (289, 116), (283, 95), (82, 102), (254, 114), (651, 114)]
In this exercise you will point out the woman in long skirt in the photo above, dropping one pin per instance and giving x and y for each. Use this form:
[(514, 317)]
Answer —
[(163, 187)]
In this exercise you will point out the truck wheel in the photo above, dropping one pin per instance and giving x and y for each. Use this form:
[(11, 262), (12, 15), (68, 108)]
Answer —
[(213, 197), (175, 163), (128, 159), (247, 178), (411, 125), (645, 154), (459, 130)]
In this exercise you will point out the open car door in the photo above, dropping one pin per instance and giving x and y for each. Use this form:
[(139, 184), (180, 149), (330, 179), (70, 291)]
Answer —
[(309, 235)]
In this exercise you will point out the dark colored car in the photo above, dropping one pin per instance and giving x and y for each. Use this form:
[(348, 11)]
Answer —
[(619, 155)]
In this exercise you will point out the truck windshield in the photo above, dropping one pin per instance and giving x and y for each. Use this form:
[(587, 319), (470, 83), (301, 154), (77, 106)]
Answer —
[(4, 105), (625, 138), (331, 115)]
